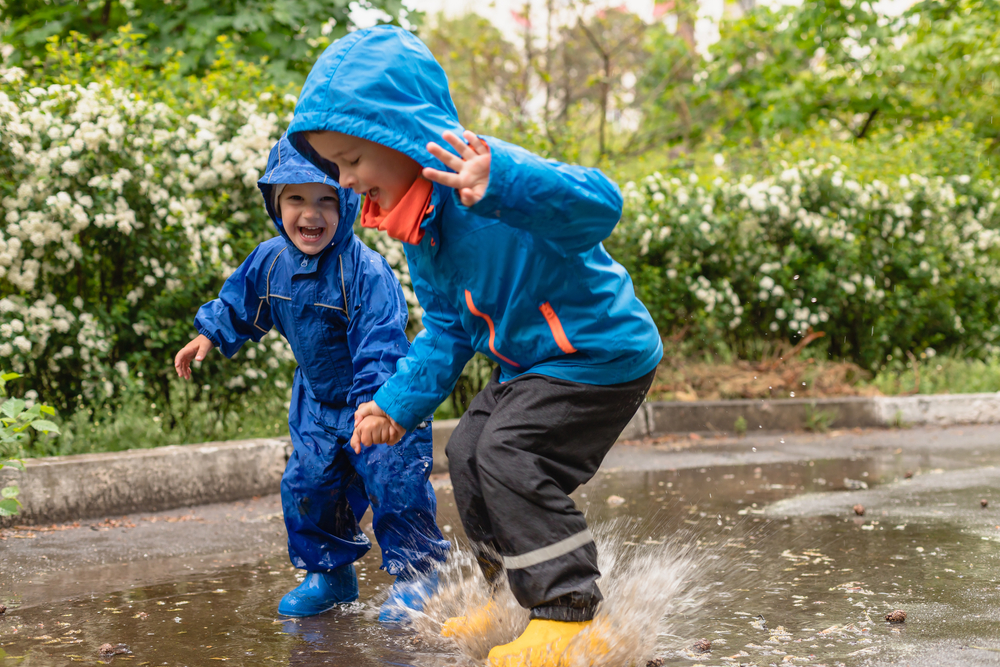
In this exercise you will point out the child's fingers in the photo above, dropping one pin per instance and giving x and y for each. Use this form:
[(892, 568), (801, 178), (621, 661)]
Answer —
[(356, 442), (445, 178), (369, 409), (463, 148), (450, 160), (476, 144)]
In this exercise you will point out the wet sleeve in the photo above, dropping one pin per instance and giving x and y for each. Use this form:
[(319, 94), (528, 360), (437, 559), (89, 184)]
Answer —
[(376, 333), (573, 207), (240, 313), (427, 374)]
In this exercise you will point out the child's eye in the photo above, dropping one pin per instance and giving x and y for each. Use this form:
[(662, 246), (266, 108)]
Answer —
[(355, 161)]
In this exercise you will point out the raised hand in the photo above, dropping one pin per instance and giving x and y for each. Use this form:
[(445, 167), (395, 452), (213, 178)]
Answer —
[(472, 169), (193, 351)]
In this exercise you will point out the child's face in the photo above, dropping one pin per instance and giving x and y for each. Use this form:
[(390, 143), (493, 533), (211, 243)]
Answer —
[(381, 173), (309, 213)]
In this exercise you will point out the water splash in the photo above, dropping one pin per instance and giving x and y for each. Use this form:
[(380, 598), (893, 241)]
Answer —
[(652, 591)]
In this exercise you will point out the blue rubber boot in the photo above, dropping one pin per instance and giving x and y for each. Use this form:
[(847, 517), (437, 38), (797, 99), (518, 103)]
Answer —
[(408, 596), (321, 591)]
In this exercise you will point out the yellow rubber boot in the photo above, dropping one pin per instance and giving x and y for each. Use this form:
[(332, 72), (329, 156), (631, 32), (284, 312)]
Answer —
[(474, 624), (542, 644)]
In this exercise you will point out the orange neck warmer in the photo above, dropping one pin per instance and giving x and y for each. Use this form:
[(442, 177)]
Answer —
[(402, 222)]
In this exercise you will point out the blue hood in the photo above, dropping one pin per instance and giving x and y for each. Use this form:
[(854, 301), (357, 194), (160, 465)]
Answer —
[(398, 96), (286, 166)]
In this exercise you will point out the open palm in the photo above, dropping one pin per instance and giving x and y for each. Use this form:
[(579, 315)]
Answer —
[(472, 169)]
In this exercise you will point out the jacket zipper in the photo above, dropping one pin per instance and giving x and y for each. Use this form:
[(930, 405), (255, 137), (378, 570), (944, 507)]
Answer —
[(489, 323), (558, 333)]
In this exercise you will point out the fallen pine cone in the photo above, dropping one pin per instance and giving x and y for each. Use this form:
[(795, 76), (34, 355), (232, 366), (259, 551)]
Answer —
[(703, 645), (655, 662), (908, 474), (3, 609), (859, 510), (898, 616), (983, 503)]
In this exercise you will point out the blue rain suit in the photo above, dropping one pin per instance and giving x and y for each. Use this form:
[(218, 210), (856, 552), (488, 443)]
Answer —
[(343, 313), (522, 276)]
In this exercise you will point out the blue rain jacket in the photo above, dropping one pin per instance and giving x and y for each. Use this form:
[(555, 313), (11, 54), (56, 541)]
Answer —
[(343, 313), (522, 276), (342, 310)]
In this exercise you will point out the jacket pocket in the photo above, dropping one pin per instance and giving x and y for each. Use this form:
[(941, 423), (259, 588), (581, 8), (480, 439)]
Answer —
[(558, 333)]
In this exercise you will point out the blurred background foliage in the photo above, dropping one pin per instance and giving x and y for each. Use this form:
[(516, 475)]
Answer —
[(827, 85), (283, 36)]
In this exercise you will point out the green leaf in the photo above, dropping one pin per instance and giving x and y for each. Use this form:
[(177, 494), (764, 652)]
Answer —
[(12, 407), (45, 426), (13, 463), (7, 377), (9, 492), (9, 507), (46, 409)]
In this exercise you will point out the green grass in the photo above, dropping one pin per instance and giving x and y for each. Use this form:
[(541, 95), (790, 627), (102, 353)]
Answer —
[(940, 375), (140, 424)]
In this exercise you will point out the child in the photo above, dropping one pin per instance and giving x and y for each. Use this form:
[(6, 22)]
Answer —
[(505, 254), (342, 311)]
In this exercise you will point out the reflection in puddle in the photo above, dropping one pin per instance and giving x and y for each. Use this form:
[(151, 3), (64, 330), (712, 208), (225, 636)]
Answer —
[(811, 590)]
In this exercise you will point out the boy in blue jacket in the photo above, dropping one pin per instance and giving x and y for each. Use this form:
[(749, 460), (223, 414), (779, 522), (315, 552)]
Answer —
[(505, 254), (343, 313)]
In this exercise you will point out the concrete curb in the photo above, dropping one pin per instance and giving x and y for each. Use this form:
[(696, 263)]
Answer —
[(72, 488)]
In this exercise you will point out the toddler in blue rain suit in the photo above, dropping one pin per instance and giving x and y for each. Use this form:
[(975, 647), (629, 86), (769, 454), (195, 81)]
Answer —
[(342, 310)]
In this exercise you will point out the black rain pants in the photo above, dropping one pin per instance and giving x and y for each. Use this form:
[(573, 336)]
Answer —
[(521, 448)]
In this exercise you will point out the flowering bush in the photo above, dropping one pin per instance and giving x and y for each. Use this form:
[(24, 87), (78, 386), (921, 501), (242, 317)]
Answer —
[(883, 268), (124, 210)]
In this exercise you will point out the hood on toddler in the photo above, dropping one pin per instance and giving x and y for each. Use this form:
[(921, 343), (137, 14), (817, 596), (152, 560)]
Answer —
[(285, 166)]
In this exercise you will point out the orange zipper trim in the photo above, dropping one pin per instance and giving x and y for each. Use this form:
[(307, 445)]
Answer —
[(557, 328), (489, 323)]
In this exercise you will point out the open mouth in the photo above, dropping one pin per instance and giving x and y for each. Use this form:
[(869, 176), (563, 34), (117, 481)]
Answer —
[(373, 194), (311, 233)]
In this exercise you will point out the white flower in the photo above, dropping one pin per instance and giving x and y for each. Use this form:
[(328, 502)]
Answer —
[(719, 159), (767, 282), (22, 344), (780, 314), (71, 167)]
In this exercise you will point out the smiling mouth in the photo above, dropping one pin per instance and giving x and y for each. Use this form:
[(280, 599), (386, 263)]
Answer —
[(311, 233), (373, 194)]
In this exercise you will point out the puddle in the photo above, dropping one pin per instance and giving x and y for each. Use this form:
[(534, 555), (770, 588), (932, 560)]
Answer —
[(812, 589)]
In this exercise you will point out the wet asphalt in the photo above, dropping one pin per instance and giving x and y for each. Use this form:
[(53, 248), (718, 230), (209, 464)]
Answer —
[(199, 585)]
